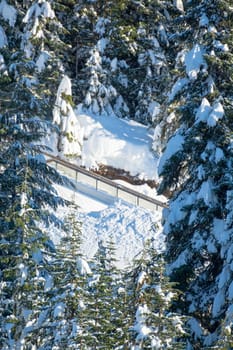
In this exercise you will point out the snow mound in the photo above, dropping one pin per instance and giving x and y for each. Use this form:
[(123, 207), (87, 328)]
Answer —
[(119, 143)]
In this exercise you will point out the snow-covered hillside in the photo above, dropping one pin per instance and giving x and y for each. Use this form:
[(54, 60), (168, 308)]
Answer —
[(126, 145)]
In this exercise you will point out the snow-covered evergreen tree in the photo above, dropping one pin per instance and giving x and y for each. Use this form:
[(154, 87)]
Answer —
[(103, 324), (152, 71), (196, 165), (155, 325), (42, 44), (66, 291), (70, 136), (93, 81), (26, 190)]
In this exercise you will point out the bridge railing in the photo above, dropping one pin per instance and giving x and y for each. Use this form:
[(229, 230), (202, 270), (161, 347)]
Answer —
[(100, 183)]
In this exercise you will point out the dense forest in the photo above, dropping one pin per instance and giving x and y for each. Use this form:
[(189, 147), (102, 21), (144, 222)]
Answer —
[(168, 65)]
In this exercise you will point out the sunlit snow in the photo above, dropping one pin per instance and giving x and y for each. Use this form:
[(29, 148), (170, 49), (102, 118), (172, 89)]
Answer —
[(108, 140), (194, 61)]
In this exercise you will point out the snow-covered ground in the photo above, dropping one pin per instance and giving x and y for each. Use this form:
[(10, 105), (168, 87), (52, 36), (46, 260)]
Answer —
[(122, 144)]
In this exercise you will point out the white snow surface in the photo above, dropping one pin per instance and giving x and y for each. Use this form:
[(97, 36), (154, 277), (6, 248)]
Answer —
[(179, 5), (36, 10), (179, 84), (41, 61)]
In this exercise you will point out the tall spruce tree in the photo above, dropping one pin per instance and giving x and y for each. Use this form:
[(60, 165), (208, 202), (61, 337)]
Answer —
[(66, 290), (196, 165), (103, 325), (26, 190)]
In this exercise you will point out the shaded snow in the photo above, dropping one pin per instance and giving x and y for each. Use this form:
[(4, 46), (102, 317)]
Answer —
[(59, 310), (195, 328), (219, 155), (219, 231), (41, 61), (174, 145), (219, 302), (3, 38), (8, 12), (230, 291), (204, 21), (207, 193)]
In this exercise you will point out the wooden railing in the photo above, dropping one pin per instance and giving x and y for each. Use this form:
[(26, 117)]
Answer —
[(100, 183)]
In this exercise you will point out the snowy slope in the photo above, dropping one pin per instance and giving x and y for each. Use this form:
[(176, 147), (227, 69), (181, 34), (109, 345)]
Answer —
[(105, 217)]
